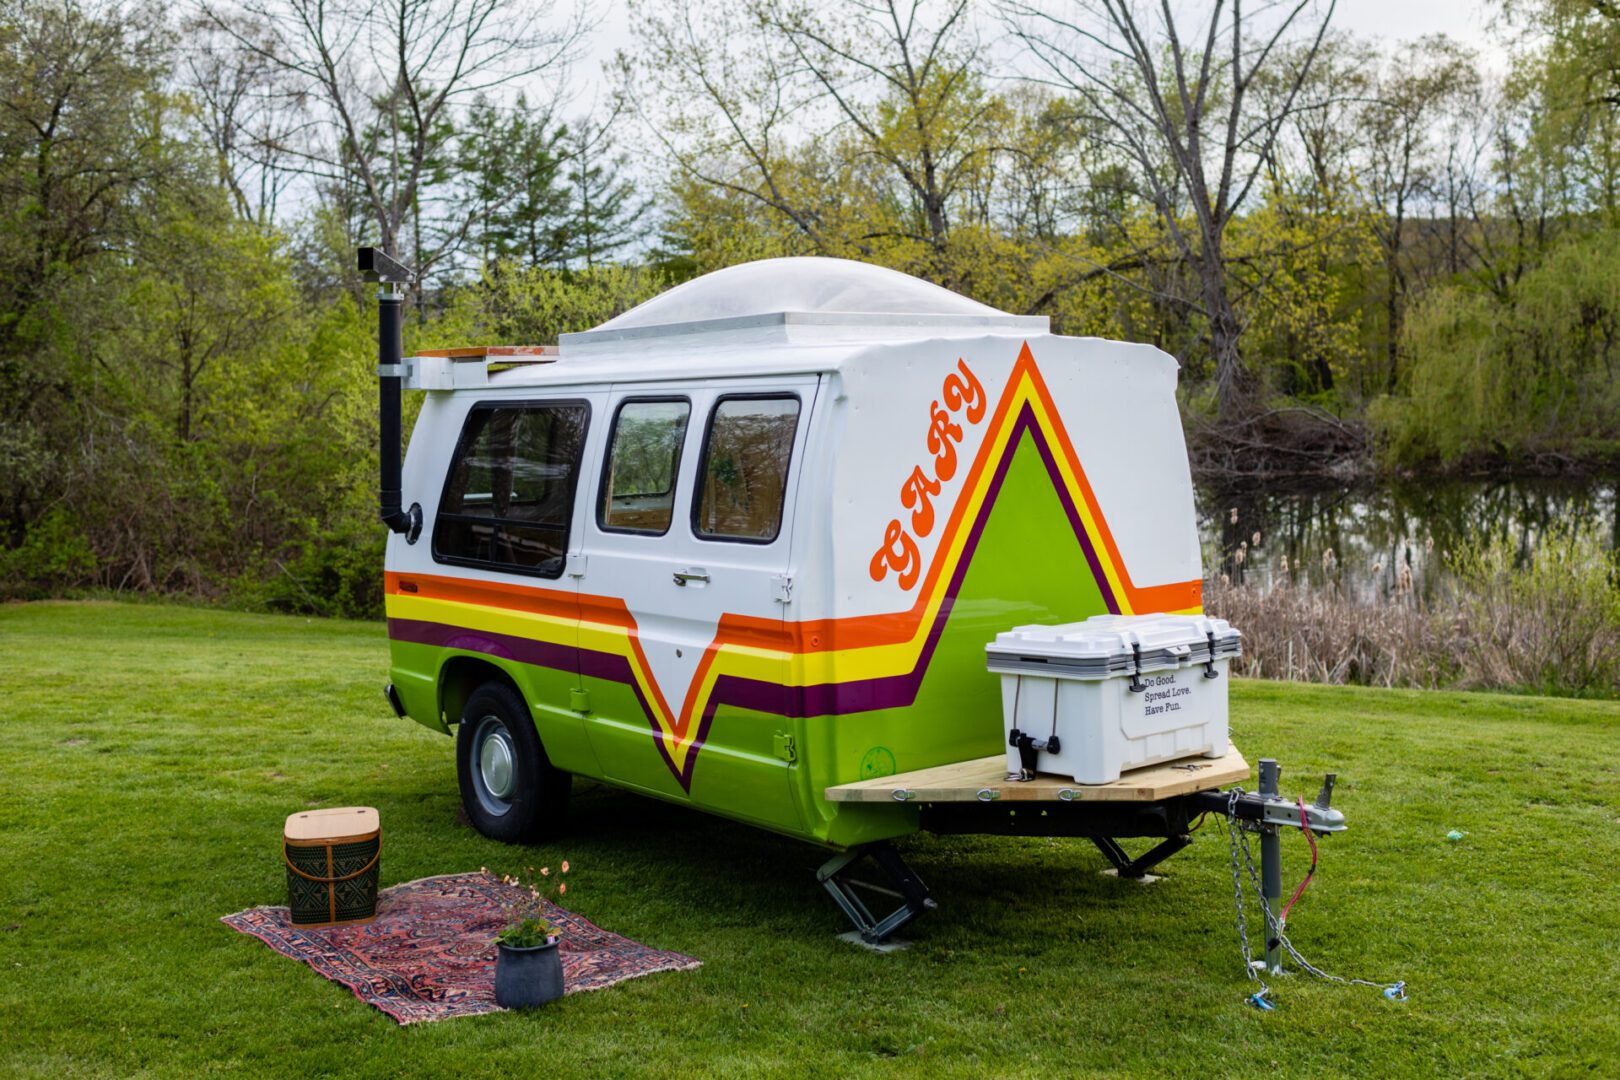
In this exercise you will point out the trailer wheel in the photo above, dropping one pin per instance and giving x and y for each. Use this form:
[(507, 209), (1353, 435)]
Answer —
[(509, 788)]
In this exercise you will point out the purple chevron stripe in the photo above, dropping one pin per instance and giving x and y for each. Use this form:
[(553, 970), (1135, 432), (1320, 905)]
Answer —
[(614, 667), (505, 646), (1027, 419), (822, 699)]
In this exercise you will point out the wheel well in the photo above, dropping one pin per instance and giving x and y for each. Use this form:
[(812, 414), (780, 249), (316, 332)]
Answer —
[(460, 676)]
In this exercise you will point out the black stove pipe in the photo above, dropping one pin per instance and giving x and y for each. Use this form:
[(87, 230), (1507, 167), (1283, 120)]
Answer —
[(390, 379)]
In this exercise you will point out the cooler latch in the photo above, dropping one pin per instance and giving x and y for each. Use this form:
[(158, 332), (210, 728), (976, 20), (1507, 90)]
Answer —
[(1209, 661), (1136, 670)]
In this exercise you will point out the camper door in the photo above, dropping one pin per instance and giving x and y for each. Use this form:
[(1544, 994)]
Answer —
[(687, 549)]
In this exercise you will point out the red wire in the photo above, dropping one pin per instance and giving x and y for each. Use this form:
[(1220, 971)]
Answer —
[(1305, 827)]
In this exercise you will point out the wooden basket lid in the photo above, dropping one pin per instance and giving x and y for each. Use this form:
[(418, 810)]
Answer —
[(335, 823)]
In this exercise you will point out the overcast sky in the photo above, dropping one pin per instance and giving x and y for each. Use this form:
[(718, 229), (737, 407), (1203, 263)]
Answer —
[(1391, 20), (1397, 19)]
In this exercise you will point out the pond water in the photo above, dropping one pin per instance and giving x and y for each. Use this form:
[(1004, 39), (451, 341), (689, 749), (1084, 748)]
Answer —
[(1366, 539)]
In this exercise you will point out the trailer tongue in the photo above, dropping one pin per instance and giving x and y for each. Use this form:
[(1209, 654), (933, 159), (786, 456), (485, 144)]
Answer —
[(1165, 802)]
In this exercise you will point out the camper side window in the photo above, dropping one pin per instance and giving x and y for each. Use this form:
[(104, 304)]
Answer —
[(744, 469), (509, 498), (644, 458)]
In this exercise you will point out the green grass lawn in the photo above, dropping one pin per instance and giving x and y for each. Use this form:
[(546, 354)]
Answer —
[(152, 753)]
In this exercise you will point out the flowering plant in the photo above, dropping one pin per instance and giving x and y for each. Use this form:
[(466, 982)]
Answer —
[(526, 923)]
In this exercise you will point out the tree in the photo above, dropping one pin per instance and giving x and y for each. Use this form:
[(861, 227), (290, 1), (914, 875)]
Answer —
[(513, 162), (605, 210), (1572, 69), (533, 305), (207, 291), (83, 133), (241, 111), (1180, 107), (388, 82), (861, 124), (1407, 168)]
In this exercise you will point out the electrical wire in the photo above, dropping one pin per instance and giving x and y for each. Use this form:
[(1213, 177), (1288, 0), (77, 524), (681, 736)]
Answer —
[(1305, 827)]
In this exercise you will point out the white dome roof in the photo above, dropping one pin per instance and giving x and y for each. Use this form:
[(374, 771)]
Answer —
[(806, 284)]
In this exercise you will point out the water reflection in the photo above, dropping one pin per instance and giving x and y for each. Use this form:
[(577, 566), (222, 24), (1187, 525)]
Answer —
[(1384, 540)]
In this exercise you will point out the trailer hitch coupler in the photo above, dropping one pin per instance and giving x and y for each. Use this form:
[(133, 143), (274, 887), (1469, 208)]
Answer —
[(1324, 798)]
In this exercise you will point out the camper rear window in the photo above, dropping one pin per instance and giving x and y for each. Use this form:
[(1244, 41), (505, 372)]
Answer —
[(744, 468), (638, 488), (509, 498)]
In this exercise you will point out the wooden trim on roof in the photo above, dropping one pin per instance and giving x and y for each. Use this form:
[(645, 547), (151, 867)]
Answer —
[(531, 353)]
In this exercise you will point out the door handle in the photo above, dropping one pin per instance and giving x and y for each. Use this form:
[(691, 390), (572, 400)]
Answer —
[(693, 574)]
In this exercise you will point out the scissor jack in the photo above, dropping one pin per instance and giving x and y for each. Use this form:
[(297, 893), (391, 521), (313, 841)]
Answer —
[(907, 888)]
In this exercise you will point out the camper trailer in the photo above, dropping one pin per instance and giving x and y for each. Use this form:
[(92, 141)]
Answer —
[(742, 549)]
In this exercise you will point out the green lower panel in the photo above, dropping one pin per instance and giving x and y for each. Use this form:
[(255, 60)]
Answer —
[(737, 773), (562, 730), (414, 671), (740, 774), (622, 738)]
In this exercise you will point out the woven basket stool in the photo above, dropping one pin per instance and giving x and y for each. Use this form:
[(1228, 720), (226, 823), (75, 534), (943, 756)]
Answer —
[(332, 861)]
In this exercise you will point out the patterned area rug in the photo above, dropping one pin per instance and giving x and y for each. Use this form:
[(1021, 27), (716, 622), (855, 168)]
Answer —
[(430, 953)]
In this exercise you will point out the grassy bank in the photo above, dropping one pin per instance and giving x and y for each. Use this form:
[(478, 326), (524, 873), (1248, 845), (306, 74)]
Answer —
[(152, 753)]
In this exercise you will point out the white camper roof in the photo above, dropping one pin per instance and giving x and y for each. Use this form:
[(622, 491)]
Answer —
[(834, 289), (774, 316)]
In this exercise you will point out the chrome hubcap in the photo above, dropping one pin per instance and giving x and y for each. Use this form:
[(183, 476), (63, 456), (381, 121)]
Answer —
[(497, 765)]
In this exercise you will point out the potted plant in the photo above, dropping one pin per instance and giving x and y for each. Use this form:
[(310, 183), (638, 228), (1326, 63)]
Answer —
[(528, 971)]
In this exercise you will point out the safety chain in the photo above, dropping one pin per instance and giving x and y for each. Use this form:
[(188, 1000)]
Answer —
[(1239, 840), (1261, 998)]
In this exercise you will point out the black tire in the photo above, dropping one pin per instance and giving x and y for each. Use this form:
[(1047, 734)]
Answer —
[(516, 794)]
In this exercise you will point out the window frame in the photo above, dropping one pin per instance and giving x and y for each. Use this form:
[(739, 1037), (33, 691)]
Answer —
[(607, 462), (703, 465), (518, 404)]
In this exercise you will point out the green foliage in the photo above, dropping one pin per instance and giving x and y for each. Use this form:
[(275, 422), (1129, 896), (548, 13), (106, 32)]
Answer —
[(335, 572), (83, 141), (514, 304), (514, 161), (605, 209), (1303, 264), (526, 923), (1517, 377), (54, 556), (1548, 620), (186, 393)]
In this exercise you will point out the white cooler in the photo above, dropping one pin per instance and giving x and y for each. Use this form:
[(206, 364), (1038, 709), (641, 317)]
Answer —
[(1092, 699)]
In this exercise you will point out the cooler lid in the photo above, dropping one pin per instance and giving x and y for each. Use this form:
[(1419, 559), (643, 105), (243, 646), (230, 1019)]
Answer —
[(1106, 645), (335, 823)]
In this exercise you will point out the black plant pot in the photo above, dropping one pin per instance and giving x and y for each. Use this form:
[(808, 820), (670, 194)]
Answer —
[(525, 978)]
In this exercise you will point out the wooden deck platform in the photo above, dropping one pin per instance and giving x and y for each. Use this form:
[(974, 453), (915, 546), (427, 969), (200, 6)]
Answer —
[(985, 780)]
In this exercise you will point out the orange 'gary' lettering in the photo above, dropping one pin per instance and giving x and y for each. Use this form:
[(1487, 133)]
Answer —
[(965, 389), (942, 439), (915, 492), (898, 553)]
